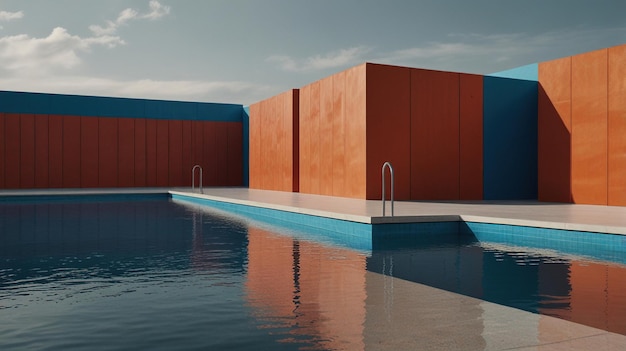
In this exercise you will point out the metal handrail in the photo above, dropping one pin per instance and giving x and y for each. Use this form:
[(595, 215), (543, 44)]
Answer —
[(193, 178), (387, 164)]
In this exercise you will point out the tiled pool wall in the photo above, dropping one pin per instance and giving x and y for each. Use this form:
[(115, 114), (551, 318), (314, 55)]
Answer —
[(591, 244), (382, 236)]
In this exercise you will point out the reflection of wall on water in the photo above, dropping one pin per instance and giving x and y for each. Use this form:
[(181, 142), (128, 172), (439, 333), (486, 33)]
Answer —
[(599, 295), (316, 291)]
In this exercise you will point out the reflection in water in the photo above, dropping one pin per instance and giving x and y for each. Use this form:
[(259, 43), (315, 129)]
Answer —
[(313, 293)]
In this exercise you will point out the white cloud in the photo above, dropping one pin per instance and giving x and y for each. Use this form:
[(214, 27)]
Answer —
[(340, 58), (156, 11), (27, 56), (6, 16), (184, 90)]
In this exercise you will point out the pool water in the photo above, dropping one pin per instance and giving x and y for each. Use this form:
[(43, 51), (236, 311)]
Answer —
[(160, 275)]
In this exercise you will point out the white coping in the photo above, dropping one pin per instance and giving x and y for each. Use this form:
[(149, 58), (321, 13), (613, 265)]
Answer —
[(590, 218)]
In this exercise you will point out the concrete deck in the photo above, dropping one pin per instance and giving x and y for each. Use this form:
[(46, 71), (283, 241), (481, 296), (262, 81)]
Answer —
[(427, 318), (603, 219)]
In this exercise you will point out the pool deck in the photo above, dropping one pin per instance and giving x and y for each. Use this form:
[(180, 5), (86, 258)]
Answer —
[(438, 320), (590, 218)]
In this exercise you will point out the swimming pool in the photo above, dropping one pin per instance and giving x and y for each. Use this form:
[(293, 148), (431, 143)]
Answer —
[(151, 273)]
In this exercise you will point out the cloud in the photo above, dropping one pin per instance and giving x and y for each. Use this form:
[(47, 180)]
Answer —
[(28, 56), (157, 10), (339, 58), (184, 90), (6, 16), (485, 53)]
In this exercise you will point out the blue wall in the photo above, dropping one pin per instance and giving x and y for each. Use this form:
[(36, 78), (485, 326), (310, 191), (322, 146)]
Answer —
[(77, 105), (510, 138)]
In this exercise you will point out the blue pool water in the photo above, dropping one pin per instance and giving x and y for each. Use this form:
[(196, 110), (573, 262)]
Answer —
[(156, 274)]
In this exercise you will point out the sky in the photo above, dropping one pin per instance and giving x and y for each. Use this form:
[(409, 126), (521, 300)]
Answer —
[(243, 51)]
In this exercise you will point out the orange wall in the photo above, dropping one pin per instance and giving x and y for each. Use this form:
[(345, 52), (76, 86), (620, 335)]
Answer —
[(589, 128), (617, 126), (53, 151), (332, 135), (274, 143), (582, 123)]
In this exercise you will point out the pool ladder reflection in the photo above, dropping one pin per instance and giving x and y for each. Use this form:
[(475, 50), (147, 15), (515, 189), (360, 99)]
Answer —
[(387, 165), (193, 178)]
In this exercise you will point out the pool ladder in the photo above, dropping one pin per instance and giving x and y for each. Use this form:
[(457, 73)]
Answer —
[(193, 178), (387, 165)]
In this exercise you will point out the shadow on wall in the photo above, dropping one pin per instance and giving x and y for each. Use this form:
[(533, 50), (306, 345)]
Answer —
[(510, 139)]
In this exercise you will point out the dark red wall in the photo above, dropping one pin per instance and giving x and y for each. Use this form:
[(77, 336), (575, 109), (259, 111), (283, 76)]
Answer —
[(60, 151)]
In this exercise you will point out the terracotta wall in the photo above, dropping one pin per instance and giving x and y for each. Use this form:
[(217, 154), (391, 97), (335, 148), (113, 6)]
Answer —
[(354, 121), (332, 135), (582, 123), (64, 151), (274, 143)]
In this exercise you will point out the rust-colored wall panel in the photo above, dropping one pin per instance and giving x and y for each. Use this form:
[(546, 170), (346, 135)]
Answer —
[(107, 152), (434, 135), (55, 151), (388, 129), (471, 137), (2, 166), (89, 164), (355, 132), (175, 154), (41, 151), (617, 126), (12, 151), (305, 140), (187, 153), (589, 128), (27, 151), (71, 152), (151, 152), (210, 153), (162, 153), (235, 154), (126, 152), (338, 130), (554, 131), (327, 115), (140, 152), (314, 139), (197, 148), (221, 165)]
